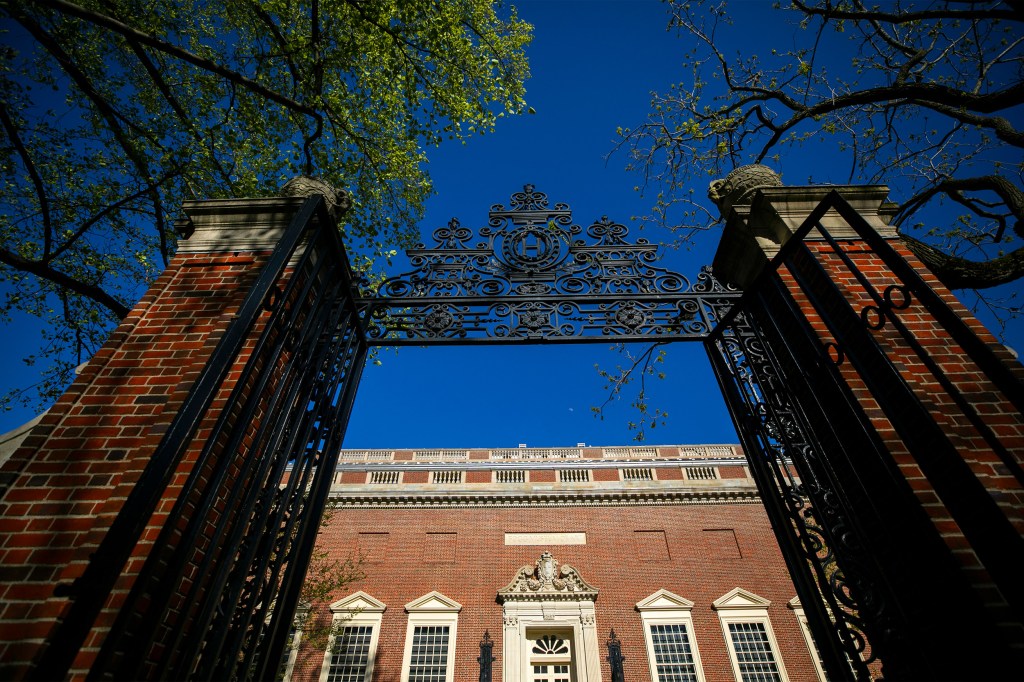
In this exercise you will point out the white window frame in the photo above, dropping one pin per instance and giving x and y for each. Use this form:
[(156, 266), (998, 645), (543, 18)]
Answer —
[(667, 608), (801, 617), (359, 609), (741, 606), (435, 609), (301, 614)]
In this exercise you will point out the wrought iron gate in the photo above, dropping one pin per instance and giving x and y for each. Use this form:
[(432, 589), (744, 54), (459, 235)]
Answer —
[(246, 519), (216, 596), (866, 560)]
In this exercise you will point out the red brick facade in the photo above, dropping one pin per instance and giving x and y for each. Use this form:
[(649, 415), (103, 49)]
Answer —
[(697, 539), (974, 414)]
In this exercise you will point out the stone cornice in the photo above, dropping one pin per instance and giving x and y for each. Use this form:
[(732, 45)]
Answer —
[(756, 231), (228, 225), (393, 498)]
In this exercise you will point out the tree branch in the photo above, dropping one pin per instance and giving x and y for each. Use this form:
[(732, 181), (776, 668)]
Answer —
[(45, 271), (960, 273), (33, 173), (179, 53), (831, 12)]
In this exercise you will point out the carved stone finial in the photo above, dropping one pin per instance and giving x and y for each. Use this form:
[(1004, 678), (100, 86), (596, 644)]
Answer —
[(338, 200), (738, 186)]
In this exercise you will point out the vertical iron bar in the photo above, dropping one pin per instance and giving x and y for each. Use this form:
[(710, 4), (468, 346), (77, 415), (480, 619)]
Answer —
[(267, 453), (838, 661), (292, 583), (312, 465), (152, 580), (976, 348)]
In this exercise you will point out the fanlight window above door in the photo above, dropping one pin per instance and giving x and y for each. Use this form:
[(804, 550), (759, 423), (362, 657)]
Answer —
[(551, 644)]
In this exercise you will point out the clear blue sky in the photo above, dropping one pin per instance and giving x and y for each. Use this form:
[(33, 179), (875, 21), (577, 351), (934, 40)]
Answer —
[(594, 65)]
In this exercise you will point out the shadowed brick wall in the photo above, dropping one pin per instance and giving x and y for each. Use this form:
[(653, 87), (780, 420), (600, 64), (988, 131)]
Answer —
[(61, 490)]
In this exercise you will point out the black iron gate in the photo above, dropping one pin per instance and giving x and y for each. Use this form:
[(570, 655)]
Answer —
[(246, 521), (866, 560), (215, 598)]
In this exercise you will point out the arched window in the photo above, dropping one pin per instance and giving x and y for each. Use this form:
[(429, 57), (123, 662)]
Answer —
[(550, 656)]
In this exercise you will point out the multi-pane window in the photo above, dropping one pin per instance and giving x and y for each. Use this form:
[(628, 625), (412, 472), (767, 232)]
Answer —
[(672, 651), (352, 647), (673, 654), (429, 661), (754, 652), (350, 654), (748, 630), (551, 673)]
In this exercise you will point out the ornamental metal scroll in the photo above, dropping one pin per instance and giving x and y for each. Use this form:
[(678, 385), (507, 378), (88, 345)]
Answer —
[(532, 275)]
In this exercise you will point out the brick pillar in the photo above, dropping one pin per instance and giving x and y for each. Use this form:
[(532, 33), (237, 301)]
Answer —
[(919, 409), (62, 489)]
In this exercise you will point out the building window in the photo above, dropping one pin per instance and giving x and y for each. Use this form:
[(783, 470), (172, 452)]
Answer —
[(551, 673), (291, 650), (668, 632), (673, 655), (550, 657), (350, 654), (429, 661), (430, 639), (753, 650), (352, 646)]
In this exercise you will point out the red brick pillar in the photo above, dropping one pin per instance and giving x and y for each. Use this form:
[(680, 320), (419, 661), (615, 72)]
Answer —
[(62, 489), (918, 409)]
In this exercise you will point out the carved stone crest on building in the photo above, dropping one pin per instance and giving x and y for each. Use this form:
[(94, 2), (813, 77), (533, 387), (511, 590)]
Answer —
[(547, 580)]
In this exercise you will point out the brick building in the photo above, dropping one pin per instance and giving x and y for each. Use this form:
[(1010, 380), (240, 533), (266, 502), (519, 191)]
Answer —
[(545, 552)]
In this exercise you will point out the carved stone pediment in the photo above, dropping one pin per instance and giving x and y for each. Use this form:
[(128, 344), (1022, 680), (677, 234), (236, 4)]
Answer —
[(546, 580)]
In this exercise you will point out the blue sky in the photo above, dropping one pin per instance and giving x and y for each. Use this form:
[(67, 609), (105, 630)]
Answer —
[(593, 67), (594, 64)]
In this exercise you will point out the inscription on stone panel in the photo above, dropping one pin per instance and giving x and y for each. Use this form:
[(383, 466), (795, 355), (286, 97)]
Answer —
[(545, 538)]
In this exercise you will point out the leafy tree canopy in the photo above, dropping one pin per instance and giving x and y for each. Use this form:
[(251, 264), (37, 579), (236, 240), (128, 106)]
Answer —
[(923, 96), (114, 111)]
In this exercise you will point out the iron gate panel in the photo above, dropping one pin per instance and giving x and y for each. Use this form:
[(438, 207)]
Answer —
[(249, 528), (862, 552), (529, 276)]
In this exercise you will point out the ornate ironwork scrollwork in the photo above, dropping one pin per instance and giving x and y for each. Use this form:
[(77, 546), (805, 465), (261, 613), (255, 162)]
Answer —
[(818, 519), (532, 274)]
